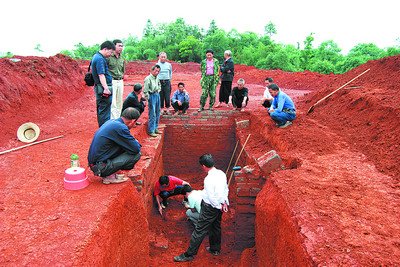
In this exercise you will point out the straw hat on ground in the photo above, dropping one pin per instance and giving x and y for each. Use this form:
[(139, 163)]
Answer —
[(28, 132)]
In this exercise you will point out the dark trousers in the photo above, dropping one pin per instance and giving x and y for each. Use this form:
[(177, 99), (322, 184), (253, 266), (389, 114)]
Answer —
[(209, 223), (125, 161), (178, 190), (237, 101), (225, 91), (103, 105), (165, 93), (266, 103), (183, 107)]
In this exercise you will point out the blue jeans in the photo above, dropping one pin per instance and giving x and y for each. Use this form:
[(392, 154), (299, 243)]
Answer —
[(103, 105), (281, 117), (154, 112)]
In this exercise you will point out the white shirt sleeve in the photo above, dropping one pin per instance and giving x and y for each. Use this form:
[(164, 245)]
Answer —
[(267, 95)]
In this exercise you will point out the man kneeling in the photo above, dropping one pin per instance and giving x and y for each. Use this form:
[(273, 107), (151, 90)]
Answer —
[(114, 148), (193, 206)]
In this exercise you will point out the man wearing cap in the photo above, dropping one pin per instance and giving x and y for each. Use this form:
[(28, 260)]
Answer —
[(116, 65), (113, 148), (102, 81), (135, 100)]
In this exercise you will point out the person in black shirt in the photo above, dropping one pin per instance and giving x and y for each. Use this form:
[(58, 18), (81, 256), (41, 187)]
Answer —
[(135, 100), (239, 96)]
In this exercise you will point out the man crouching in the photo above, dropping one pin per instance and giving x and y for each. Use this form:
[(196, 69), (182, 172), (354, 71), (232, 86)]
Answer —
[(113, 148)]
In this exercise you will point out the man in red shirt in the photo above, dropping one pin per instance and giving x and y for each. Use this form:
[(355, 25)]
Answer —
[(168, 186)]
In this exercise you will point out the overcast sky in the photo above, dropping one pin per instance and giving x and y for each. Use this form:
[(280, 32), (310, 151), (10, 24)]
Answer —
[(58, 25)]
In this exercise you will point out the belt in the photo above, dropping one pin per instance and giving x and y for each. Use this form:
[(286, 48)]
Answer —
[(117, 79), (164, 80)]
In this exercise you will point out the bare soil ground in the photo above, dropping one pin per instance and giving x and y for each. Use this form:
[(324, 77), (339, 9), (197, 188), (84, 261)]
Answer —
[(344, 191)]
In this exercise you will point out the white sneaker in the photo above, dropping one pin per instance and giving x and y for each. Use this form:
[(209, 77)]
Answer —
[(163, 206), (114, 179), (288, 123)]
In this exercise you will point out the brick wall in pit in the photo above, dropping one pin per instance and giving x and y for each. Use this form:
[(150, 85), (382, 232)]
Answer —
[(187, 137)]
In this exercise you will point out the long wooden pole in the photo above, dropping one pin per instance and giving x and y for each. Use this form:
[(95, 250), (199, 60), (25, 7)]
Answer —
[(241, 151), (233, 154), (325, 97), (31, 144)]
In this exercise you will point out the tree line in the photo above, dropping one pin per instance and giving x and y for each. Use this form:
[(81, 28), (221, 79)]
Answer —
[(187, 43)]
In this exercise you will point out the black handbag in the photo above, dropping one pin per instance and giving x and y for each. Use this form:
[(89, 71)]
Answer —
[(89, 77)]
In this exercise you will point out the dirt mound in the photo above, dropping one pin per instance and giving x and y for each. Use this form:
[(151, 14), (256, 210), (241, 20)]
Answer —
[(366, 112), (33, 87)]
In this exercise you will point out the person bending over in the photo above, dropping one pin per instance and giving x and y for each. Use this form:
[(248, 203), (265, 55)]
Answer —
[(168, 186)]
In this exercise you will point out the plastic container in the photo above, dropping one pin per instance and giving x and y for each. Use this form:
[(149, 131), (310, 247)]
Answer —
[(75, 178), (74, 160)]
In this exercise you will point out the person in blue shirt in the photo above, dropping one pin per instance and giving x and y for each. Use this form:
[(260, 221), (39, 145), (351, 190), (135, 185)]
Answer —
[(102, 81), (114, 148), (180, 99), (282, 109)]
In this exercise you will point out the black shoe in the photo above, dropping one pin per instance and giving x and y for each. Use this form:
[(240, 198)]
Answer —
[(182, 258), (213, 252)]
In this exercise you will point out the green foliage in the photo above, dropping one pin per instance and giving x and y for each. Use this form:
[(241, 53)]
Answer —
[(190, 49), (270, 29), (186, 43)]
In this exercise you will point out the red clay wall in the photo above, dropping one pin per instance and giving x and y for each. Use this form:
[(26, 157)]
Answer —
[(278, 241), (122, 238)]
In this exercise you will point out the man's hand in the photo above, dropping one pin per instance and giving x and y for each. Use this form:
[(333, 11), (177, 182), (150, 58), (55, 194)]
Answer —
[(224, 207), (160, 209), (179, 103)]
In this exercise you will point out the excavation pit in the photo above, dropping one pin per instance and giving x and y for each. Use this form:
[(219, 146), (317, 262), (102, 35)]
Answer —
[(176, 152)]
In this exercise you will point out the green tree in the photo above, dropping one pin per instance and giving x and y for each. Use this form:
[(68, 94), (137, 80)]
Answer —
[(270, 29), (190, 49), (149, 30), (38, 48)]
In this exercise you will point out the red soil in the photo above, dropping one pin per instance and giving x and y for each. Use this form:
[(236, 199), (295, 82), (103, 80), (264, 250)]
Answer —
[(340, 200)]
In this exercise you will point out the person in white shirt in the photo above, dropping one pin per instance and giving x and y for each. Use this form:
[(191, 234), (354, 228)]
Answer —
[(266, 101), (194, 198), (215, 202)]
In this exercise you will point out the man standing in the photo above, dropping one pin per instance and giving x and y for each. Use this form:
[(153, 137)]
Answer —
[(152, 88), (209, 79), (114, 148), (267, 97), (215, 201), (227, 73), (135, 100), (282, 109), (102, 81), (165, 77), (116, 65), (239, 96), (180, 99)]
